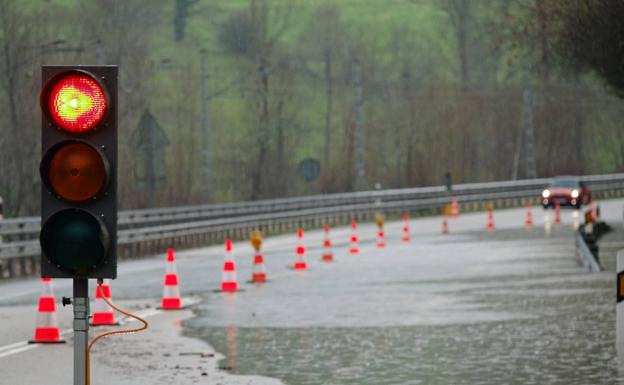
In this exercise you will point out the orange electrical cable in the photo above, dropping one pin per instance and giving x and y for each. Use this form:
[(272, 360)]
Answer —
[(125, 331)]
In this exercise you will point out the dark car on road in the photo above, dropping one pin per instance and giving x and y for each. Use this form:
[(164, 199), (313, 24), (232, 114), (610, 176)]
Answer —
[(567, 191)]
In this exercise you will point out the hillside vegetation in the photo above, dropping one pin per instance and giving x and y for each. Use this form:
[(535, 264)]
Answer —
[(433, 86)]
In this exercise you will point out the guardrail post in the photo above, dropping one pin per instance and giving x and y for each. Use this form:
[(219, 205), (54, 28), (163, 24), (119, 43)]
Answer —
[(22, 266), (11, 265), (34, 265), (137, 248)]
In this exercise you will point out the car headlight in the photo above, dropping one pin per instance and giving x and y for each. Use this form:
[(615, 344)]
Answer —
[(546, 193), (575, 194)]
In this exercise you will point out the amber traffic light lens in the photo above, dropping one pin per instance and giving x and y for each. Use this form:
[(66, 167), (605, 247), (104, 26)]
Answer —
[(76, 171), (76, 102)]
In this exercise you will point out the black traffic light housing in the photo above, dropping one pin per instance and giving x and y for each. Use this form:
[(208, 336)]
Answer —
[(79, 172)]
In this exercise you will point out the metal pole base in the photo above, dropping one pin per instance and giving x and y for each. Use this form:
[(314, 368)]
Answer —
[(81, 330)]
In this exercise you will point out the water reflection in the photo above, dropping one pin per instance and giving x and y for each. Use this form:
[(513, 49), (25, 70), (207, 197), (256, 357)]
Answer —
[(520, 313), (547, 225), (575, 219), (515, 352), (232, 346)]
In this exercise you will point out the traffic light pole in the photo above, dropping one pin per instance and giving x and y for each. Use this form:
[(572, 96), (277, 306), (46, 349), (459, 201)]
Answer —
[(81, 329)]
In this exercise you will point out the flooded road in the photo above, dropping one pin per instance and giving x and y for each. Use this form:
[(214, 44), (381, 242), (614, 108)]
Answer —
[(511, 307), (508, 307)]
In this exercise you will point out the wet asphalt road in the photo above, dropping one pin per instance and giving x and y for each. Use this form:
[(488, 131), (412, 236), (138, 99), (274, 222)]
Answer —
[(508, 307), (473, 308)]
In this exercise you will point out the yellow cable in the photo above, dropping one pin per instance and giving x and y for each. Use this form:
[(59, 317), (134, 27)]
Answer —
[(125, 331)]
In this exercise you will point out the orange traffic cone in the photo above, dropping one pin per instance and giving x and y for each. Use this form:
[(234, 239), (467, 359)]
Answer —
[(102, 312), (171, 294), (300, 263), (445, 227), (406, 229), (228, 282), (557, 212), (381, 239), (258, 274), (454, 207), (490, 219), (355, 248), (46, 329), (528, 221), (328, 255)]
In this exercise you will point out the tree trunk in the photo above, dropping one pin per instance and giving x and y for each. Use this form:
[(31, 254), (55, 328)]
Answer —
[(329, 96), (263, 137)]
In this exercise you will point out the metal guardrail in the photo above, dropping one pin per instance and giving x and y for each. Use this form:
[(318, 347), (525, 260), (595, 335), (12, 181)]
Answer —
[(149, 217), (587, 258), (150, 231)]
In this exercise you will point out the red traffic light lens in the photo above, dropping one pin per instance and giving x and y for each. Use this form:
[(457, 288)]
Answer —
[(75, 171), (77, 102)]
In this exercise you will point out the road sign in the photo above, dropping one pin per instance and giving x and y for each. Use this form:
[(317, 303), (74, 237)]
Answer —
[(150, 142), (310, 169), (79, 172)]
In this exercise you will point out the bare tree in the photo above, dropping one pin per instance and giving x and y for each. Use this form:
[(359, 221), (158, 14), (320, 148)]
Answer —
[(117, 32), (323, 41), (460, 16), (261, 55), (24, 43), (590, 37)]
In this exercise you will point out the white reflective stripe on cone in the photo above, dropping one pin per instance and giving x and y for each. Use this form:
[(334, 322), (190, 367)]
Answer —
[(46, 320), (46, 289), (171, 268), (100, 306), (171, 291)]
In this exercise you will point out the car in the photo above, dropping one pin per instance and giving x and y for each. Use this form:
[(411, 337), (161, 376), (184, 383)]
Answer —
[(566, 191)]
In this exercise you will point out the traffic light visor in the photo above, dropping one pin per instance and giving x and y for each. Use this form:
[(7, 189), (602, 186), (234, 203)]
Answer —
[(75, 171), (74, 240), (75, 101)]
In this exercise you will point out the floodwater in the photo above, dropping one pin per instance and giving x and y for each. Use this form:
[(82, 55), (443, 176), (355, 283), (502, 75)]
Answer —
[(510, 307)]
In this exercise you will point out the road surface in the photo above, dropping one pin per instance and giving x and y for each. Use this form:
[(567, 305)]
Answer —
[(473, 307)]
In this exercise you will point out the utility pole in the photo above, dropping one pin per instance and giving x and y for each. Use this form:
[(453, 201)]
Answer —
[(529, 130), (359, 136), (579, 113), (100, 55), (205, 123), (516, 159), (151, 172)]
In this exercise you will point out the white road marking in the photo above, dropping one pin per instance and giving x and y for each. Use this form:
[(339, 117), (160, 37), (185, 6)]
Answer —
[(22, 346)]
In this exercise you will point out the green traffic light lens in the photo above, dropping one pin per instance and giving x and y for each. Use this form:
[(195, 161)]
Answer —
[(75, 241)]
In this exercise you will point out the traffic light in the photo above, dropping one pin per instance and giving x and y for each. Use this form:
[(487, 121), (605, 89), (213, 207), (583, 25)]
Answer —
[(79, 172)]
